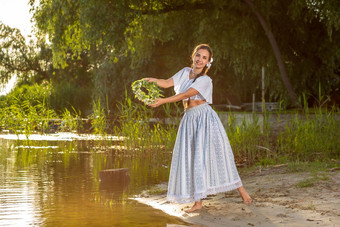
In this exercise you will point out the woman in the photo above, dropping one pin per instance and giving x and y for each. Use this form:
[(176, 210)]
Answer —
[(202, 161)]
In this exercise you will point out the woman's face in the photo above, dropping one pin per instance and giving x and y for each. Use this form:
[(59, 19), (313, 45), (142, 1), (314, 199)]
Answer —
[(201, 58)]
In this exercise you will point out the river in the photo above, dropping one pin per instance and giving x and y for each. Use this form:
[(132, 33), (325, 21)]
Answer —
[(56, 183)]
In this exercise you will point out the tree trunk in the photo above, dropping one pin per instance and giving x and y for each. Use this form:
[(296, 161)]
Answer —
[(277, 54)]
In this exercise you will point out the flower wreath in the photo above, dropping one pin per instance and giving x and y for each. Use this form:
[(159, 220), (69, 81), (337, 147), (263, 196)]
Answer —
[(153, 91)]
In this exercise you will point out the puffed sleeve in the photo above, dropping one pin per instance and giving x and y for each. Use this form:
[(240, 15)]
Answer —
[(204, 86), (178, 77)]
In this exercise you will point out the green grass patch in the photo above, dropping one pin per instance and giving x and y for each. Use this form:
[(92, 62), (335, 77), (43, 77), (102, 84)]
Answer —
[(314, 166), (310, 182)]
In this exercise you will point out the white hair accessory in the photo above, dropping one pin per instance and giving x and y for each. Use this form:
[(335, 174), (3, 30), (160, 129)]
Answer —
[(209, 63)]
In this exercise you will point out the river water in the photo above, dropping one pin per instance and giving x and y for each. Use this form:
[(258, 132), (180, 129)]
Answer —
[(56, 183)]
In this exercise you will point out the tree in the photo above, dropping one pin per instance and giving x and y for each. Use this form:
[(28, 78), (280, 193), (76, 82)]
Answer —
[(125, 37), (21, 59), (32, 63)]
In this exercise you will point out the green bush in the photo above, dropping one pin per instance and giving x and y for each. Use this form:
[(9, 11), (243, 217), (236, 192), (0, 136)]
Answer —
[(34, 94)]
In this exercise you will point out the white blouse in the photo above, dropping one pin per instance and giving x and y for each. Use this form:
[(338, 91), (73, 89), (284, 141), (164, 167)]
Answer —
[(203, 85)]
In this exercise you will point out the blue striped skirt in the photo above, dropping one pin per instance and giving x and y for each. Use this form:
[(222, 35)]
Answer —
[(202, 160)]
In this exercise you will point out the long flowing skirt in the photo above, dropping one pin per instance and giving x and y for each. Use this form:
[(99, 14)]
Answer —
[(202, 160)]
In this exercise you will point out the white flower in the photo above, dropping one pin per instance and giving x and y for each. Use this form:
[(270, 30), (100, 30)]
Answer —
[(209, 63)]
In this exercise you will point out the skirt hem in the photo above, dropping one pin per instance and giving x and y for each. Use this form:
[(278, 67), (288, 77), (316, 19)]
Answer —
[(201, 195)]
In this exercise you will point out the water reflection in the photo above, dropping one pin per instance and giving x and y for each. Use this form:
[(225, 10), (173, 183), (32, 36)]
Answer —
[(56, 183), (114, 181)]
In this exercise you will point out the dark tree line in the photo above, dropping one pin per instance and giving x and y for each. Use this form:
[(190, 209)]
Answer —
[(102, 46)]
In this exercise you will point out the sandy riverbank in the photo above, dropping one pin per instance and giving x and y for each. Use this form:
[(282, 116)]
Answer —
[(281, 198)]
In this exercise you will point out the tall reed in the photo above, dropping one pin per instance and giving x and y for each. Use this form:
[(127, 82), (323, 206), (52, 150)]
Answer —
[(12, 117), (44, 116), (23, 117), (98, 118), (71, 120), (312, 137), (287, 137), (248, 143), (139, 132)]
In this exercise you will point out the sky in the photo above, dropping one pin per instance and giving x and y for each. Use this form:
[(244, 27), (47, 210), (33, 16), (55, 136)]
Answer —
[(15, 13)]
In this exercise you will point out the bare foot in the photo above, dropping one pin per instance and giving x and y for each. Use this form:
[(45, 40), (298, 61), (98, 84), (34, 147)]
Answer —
[(245, 196), (196, 206)]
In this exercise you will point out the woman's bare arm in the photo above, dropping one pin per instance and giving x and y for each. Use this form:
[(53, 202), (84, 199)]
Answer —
[(175, 98), (161, 82)]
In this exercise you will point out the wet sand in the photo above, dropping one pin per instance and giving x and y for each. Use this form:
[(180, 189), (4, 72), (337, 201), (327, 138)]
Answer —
[(280, 198)]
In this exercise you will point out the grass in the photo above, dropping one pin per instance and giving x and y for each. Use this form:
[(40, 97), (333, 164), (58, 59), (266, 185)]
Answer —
[(313, 166), (23, 117), (140, 134), (300, 137), (71, 121), (98, 118), (315, 137), (305, 138), (310, 182)]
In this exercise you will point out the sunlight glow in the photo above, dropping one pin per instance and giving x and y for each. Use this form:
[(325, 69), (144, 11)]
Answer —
[(6, 88), (15, 13)]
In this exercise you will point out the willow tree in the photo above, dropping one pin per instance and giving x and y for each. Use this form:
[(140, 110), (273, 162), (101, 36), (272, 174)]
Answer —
[(22, 59), (31, 63), (130, 37)]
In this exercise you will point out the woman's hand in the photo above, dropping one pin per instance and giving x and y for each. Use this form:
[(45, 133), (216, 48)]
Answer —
[(161, 82), (150, 79), (157, 102)]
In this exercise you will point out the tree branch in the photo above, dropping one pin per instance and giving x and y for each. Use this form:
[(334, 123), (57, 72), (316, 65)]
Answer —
[(277, 53)]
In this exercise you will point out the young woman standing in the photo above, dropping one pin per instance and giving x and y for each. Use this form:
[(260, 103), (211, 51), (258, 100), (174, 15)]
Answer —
[(202, 161)]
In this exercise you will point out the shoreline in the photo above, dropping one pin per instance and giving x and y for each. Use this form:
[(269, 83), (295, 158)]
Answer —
[(280, 198)]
